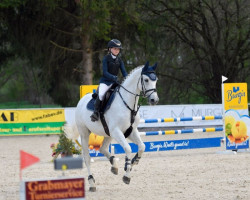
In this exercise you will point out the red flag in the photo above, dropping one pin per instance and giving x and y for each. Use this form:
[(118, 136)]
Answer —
[(27, 159)]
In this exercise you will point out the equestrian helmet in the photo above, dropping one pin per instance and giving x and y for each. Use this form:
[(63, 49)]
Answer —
[(114, 43)]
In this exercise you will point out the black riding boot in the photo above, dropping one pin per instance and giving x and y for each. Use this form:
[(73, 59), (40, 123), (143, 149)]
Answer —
[(95, 116)]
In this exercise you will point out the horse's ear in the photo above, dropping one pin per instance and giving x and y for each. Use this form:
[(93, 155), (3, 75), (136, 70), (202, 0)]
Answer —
[(145, 68), (154, 67)]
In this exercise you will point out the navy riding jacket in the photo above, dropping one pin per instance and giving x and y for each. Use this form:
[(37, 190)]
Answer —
[(111, 69)]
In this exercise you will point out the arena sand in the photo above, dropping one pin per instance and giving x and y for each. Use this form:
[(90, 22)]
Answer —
[(185, 174)]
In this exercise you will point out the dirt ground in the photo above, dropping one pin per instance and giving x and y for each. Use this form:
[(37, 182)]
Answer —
[(184, 174)]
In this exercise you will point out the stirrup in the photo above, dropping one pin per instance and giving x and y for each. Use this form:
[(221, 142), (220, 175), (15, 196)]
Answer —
[(94, 117)]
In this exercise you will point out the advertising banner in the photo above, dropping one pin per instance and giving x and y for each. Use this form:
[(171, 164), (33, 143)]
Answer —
[(64, 188), (174, 111), (237, 121), (167, 145), (31, 122), (84, 89)]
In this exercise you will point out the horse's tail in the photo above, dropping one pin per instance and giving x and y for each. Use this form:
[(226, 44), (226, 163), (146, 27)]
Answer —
[(71, 131)]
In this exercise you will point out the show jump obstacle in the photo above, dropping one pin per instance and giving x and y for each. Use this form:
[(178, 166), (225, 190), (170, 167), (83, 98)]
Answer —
[(234, 99), (169, 145), (179, 119)]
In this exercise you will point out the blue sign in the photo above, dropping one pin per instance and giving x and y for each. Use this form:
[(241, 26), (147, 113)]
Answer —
[(234, 146), (168, 145)]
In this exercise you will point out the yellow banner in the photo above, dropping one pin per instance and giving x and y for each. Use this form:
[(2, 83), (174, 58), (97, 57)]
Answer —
[(32, 116), (235, 96), (84, 89)]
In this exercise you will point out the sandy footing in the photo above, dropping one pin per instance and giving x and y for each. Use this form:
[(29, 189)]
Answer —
[(183, 174)]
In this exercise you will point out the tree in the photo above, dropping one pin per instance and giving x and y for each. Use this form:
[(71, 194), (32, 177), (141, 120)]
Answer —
[(212, 39), (56, 37)]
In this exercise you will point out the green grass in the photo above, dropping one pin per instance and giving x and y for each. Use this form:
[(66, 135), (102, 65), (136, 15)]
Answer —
[(25, 104)]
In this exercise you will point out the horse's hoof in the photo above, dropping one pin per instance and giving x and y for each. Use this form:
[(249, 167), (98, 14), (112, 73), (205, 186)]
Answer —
[(114, 170), (126, 179), (136, 162), (92, 189)]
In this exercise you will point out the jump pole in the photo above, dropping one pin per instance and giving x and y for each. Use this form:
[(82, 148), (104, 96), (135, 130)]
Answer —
[(181, 119), (182, 131)]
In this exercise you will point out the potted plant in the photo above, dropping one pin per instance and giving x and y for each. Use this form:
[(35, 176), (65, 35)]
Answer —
[(65, 147)]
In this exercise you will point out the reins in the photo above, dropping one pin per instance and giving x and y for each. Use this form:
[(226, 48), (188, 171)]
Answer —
[(133, 112)]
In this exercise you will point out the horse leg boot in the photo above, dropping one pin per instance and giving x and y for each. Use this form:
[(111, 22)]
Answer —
[(127, 169), (135, 138), (114, 168), (137, 157), (105, 150), (95, 116)]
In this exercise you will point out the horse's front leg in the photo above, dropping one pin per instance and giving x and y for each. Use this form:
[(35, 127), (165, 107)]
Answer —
[(105, 151), (136, 138), (119, 137)]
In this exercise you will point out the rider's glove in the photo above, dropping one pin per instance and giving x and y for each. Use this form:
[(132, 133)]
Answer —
[(115, 79), (118, 82)]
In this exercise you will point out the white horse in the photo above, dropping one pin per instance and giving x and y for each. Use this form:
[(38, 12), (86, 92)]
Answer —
[(140, 82)]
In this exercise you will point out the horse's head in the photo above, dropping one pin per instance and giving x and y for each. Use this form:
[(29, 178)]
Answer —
[(148, 83)]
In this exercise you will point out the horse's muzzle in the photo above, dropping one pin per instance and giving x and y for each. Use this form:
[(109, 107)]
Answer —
[(153, 99)]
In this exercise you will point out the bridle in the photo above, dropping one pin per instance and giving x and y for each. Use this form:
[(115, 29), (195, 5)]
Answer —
[(143, 92)]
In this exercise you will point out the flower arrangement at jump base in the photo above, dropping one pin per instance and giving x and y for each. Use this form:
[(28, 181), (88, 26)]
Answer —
[(65, 147), (95, 141)]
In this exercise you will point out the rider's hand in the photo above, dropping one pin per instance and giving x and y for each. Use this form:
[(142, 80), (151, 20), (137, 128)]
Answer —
[(118, 82), (115, 78)]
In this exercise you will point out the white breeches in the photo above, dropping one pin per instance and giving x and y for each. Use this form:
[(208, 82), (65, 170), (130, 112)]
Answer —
[(103, 88)]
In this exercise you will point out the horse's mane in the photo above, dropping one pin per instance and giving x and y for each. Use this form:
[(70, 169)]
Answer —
[(131, 72)]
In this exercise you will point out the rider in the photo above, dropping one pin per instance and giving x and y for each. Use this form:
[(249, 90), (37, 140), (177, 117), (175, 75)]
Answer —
[(110, 65)]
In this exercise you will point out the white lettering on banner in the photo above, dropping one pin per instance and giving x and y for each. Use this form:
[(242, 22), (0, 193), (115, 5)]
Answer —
[(229, 144), (172, 145), (176, 144), (157, 146), (169, 144), (182, 144)]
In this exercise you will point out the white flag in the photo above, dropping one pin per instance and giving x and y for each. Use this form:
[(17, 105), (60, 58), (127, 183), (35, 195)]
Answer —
[(224, 78)]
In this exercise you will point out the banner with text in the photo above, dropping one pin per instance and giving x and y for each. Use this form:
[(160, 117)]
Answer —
[(51, 189), (84, 89), (237, 121), (31, 122)]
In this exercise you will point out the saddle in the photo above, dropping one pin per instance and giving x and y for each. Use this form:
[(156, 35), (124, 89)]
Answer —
[(107, 101)]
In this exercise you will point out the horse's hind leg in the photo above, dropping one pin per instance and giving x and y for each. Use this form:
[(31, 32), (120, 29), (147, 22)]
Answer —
[(104, 150), (135, 138), (84, 132)]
